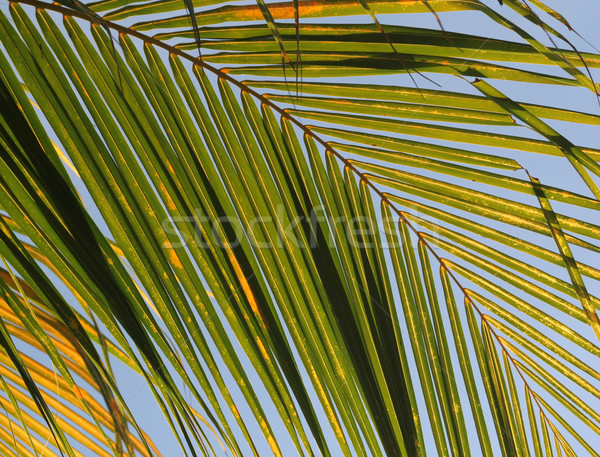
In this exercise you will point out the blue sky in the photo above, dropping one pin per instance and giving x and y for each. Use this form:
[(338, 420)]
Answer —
[(579, 13)]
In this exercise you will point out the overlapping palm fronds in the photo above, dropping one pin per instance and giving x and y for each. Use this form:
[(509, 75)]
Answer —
[(282, 209)]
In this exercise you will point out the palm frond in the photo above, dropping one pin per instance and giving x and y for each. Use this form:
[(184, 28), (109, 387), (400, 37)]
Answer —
[(294, 255)]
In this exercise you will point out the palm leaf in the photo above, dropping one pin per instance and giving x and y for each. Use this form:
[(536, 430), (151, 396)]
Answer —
[(294, 261)]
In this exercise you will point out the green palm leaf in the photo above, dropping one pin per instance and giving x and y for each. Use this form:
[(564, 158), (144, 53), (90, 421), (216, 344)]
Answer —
[(277, 254)]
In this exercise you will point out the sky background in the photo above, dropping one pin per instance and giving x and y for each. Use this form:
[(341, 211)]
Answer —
[(583, 16)]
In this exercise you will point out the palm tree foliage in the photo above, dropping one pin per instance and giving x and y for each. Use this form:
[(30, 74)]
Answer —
[(304, 228)]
